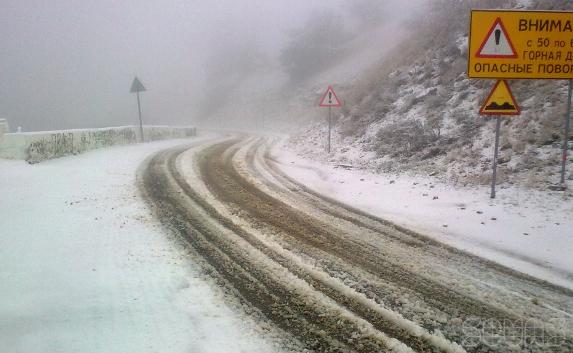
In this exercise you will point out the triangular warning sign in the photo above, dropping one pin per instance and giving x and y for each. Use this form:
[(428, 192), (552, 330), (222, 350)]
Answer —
[(500, 101), (136, 86), (497, 43), (329, 99)]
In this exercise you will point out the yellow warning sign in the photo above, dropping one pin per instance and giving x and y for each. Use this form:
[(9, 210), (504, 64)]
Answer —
[(500, 101), (520, 44)]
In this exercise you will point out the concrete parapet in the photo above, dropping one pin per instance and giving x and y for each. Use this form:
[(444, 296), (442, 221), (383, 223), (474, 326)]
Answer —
[(35, 147), (4, 128)]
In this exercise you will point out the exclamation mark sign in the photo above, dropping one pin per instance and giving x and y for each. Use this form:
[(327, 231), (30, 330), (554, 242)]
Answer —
[(329, 97), (497, 38)]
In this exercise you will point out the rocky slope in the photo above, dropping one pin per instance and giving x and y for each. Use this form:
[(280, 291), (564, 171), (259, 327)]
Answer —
[(417, 111)]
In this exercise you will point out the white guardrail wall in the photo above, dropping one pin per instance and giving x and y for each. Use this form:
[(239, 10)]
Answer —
[(4, 127), (35, 147)]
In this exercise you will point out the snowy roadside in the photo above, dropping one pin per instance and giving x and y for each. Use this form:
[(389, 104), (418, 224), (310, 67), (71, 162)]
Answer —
[(85, 268), (527, 230)]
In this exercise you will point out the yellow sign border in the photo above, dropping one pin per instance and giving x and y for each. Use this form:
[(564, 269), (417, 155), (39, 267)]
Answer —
[(519, 61)]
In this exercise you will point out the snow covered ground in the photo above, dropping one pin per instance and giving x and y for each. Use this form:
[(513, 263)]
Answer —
[(84, 267), (527, 230)]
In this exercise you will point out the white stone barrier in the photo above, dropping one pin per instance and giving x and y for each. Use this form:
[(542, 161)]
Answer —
[(35, 147), (4, 129)]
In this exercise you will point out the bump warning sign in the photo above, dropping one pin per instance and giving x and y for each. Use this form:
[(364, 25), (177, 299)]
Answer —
[(520, 44), (500, 101)]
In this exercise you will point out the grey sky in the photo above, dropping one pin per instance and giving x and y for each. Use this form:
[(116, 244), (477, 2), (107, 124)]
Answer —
[(67, 64)]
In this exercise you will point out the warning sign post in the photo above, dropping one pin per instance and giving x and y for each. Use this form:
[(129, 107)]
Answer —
[(329, 99), (506, 44), (499, 102), (520, 45), (136, 87)]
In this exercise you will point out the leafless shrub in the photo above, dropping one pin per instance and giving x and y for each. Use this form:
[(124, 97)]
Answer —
[(353, 125), (403, 138), (454, 70), (467, 127), (435, 123)]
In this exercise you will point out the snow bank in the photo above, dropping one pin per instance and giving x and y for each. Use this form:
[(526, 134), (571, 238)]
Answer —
[(85, 268), (35, 147)]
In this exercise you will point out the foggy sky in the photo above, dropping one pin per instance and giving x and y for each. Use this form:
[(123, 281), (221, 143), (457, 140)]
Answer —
[(69, 63)]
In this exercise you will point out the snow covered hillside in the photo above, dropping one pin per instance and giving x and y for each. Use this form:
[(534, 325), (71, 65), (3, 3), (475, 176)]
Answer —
[(418, 112)]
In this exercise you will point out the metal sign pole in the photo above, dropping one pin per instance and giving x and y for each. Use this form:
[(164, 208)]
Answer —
[(329, 126), (566, 137), (329, 99), (264, 115), (140, 121), (494, 177)]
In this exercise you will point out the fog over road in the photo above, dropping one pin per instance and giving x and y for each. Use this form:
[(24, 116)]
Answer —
[(337, 279)]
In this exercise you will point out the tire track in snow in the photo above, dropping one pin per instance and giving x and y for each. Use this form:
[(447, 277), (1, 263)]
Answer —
[(366, 324), (322, 326)]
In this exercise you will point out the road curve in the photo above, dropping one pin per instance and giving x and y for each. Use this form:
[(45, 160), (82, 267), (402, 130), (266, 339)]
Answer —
[(336, 278)]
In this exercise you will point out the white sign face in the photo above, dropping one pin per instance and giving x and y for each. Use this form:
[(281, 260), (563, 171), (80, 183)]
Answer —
[(497, 43), (329, 99)]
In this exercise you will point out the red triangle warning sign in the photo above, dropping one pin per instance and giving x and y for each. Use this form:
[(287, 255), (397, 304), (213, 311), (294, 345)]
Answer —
[(497, 43), (329, 99), (500, 101)]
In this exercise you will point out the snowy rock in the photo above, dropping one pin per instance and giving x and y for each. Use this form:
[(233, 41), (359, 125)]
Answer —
[(557, 187)]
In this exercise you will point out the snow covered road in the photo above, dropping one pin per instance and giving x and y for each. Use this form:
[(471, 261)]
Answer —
[(336, 278), (525, 229), (247, 260), (85, 268)]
